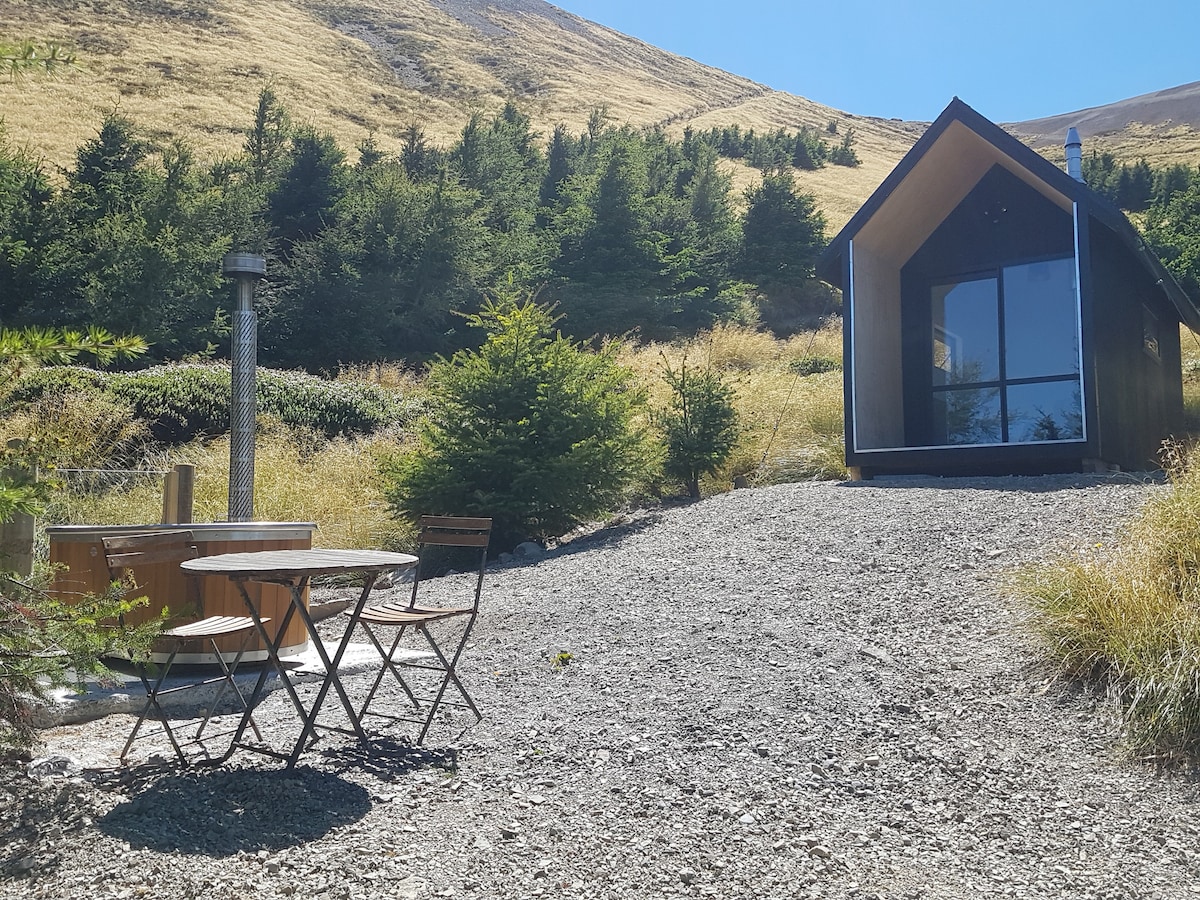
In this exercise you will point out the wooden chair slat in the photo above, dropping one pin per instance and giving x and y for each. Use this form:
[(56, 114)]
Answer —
[(465, 522), (447, 539)]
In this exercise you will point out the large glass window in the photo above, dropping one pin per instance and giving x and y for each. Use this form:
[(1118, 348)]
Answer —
[(1006, 356)]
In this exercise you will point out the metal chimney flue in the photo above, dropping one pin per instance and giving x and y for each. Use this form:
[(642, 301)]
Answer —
[(1074, 151), (246, 268)]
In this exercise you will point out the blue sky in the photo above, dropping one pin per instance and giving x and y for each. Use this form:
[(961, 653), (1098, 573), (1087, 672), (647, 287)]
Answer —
[(1011, 60)]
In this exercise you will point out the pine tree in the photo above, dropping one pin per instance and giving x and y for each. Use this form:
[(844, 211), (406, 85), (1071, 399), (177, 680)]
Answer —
[(782, 235), (266, 140), (530, 429), (313, 178)]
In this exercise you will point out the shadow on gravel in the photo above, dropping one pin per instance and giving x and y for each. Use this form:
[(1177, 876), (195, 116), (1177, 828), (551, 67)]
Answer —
[(218, 812), (1027, 484), (611, 534), (388, 760)]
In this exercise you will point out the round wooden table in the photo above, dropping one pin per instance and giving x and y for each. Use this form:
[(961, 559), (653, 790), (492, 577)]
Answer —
[(294, 569)]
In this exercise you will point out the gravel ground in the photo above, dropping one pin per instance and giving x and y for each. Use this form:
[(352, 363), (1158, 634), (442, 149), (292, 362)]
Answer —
[(809, 690)]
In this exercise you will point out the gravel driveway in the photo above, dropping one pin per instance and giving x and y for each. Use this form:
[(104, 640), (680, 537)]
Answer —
[(808, 690)]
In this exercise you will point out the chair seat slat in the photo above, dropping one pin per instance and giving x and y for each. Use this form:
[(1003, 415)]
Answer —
[(402, 615), (213, 626)]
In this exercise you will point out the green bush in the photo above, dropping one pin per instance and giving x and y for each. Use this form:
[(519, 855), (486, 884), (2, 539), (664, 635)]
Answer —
[(530, 429), (814, 365), (699, 424), (182, 402)]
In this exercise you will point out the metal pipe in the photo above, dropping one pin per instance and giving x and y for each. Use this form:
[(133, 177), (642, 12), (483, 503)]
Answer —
[(246, 268), (1074, 152)]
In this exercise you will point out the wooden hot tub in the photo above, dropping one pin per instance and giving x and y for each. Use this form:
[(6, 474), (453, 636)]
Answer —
[(80, 548)]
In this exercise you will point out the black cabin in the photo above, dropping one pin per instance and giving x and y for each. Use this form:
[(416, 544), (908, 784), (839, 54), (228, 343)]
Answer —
[(1001, 318)]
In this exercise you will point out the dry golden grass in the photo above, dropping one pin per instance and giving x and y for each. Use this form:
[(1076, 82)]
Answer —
[(405, 380), (1189, 346), (335, 484), (792, 423), (76, 431), (1129, 615)]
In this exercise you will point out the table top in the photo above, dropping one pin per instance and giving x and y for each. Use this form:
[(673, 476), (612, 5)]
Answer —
[(297, 563)]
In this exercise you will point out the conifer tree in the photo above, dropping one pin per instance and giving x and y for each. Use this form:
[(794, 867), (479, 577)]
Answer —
[(782, 235)]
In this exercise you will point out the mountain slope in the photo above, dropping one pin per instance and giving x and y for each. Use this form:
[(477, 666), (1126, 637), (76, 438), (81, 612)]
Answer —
[(1162, 127), (193, 69)]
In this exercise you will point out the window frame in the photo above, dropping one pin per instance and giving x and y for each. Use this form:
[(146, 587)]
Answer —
[(1002, 382)]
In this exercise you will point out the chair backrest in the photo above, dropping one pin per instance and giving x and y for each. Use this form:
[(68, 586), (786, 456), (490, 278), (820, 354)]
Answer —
[(126, 552), (453, 531)]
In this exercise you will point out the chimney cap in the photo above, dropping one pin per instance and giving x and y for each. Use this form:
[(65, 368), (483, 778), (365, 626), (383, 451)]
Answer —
[(235, 264), (1073, 138)]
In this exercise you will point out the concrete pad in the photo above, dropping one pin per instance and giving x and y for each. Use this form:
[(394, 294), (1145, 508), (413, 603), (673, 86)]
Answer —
[(126, 694)]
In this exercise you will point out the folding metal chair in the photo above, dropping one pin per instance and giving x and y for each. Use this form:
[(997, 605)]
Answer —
[(414, 617), (125, 554)]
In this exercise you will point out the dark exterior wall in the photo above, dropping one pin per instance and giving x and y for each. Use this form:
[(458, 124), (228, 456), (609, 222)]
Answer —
[(1002, 221), (1139, 400)]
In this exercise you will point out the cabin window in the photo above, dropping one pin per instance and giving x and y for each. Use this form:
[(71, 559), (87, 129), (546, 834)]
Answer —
[(1005, 360)]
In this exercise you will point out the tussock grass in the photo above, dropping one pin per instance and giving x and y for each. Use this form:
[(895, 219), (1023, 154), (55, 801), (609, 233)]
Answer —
[(76, 431), (298, 478), (1189, 347), (1128, 617), (792, 423), (405, 380)]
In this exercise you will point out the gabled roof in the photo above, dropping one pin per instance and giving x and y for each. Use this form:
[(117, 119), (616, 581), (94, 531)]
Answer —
[(961, 144)]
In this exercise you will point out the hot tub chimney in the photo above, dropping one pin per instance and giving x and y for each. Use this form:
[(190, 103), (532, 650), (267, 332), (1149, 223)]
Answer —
[(1074, 148), (246, 268)]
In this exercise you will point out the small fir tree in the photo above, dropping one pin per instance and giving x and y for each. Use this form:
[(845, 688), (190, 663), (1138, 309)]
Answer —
[(699, 425), (44, 642), (530, 429)]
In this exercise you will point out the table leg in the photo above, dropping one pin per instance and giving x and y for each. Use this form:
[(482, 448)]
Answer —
[(332, 678), (273, 662)]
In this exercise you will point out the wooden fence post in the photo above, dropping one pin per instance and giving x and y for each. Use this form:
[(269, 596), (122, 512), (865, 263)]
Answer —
[(185, 499), (170, 497), (16, 545), (179, 492)]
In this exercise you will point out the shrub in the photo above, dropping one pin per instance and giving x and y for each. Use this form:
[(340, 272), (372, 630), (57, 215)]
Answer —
[(1128, 618), (814, 365), (530, 429), (182, 402), (77, 429), (699, 424), (46, 643)]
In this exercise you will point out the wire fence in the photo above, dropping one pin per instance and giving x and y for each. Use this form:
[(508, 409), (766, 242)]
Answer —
[(101, 480), (117, 496)]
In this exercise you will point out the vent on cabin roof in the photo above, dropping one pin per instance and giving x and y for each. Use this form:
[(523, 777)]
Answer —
[(1074, 149)]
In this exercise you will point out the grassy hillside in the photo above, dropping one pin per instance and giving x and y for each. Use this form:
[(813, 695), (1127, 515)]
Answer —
[(193, 69), (1160, 127)]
